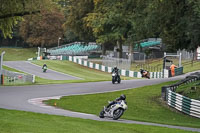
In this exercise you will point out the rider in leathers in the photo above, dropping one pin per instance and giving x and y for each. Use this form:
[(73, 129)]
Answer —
[(116, 70), (122, 97)]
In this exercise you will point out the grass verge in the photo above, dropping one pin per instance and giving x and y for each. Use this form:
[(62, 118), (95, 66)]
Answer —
[(26, 122), (144, 104), (87, 74), (191, 90), (14, 54)]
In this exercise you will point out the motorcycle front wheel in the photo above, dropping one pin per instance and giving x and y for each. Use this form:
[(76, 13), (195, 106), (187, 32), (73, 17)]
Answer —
[(117, 114), (113, 80), (101, 114)]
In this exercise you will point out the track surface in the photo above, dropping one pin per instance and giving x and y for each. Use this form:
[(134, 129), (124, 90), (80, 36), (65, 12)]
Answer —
[(29, 98), (36, 70)]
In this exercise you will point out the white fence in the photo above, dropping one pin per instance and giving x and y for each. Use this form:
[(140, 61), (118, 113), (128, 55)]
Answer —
[(17, 78)]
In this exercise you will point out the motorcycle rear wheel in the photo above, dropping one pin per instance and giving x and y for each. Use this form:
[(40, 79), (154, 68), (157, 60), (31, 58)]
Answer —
[(117, 114), (119, 80)]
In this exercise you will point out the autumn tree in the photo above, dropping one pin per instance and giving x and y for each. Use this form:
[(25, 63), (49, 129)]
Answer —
[(43, 29), (12, 11)]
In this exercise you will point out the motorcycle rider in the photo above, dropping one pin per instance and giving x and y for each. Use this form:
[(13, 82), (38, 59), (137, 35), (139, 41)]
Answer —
[(122, 97), (143, 72), (44, 66), (116, 70)]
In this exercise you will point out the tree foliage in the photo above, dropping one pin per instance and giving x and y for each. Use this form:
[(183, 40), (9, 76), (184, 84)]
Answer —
[(76, 10), (43, 29), (176, 22), (11, 12)]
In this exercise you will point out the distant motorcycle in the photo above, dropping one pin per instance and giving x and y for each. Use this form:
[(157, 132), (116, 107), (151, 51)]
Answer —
[(115, 111), (115, 78), (145, 74), (44, 69)]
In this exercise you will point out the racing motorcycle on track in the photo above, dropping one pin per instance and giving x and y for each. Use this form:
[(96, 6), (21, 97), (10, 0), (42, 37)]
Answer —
[(145, 74), (116, 78), (115, 111), (44, 69)]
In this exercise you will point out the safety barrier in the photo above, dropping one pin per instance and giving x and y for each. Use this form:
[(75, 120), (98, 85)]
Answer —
[(184, 104), (9, 77), (179, 102), (178, 71), (100, 67)]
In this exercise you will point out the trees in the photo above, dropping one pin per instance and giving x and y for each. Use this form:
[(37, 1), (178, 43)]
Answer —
[(110, 21), (176, 22), (75, 11), (11, 12), (43, 29)]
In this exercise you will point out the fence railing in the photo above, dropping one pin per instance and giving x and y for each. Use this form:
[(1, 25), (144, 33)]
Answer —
[(157, 68), (119, 62), (179, 102), (16, 78), (104, 68)]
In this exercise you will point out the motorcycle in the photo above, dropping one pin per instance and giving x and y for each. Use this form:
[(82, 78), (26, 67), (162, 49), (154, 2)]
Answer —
[(147, 75), (44, 69), (115, 78), (115, 111)]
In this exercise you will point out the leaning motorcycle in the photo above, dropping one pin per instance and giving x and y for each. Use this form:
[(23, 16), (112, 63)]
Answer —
[(115, 111), (115, 78), (145, 76), (44, 69)]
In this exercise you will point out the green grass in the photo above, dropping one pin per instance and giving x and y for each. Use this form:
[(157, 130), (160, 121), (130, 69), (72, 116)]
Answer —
[(190, 67), (188, 92), (144, 104), (86, 74), (13, 54), (12, 69), (12, 121)]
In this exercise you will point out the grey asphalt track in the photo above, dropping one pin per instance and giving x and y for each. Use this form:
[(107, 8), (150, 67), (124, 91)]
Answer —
[(36, 70), (29, 98)]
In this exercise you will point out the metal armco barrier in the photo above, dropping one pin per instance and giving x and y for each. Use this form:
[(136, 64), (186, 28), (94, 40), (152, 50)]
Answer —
[(179, 102), (183, 104)]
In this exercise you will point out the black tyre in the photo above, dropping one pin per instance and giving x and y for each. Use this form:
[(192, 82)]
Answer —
[(113, 80), (117, 114), (119, 80), (101, 114)]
